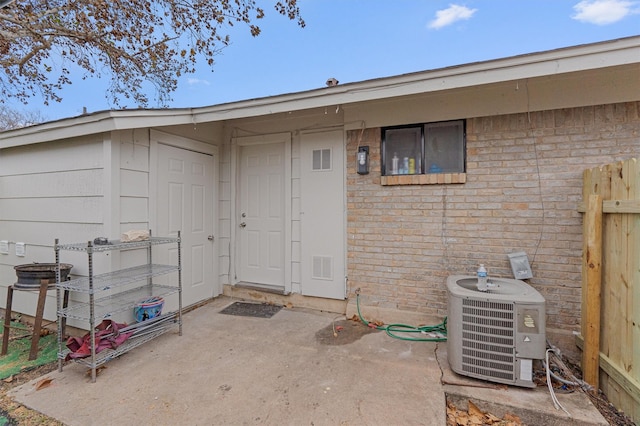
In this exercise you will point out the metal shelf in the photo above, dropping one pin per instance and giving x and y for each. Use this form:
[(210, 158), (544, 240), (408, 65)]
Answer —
[(107, 306), (114, 292), (116, 245), (119, 278), (134, 341)]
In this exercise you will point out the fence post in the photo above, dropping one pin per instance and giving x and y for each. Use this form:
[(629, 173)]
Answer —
[(592, 258)]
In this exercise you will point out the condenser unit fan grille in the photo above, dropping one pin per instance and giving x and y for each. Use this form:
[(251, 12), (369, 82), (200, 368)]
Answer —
[(488, 338), (504, 375)]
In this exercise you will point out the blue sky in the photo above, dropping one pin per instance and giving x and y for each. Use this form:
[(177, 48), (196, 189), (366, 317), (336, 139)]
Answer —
[(356, 40)]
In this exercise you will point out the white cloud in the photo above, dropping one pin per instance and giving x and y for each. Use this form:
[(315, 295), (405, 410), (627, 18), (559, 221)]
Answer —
[(453, 13), (603, 12), (193, 81)]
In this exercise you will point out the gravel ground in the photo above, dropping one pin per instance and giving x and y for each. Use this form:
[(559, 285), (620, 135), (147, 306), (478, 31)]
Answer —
[(13, 413)]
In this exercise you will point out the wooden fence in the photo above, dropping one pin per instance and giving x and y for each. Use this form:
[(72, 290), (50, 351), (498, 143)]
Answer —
[(611, 283)]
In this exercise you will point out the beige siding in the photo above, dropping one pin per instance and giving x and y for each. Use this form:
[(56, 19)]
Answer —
[(59, 183), (133, 168), (134, 183), (53, 210), (134, 211), (296, 248), (72, 183), (77, 154), (74, 190), (49, 191), (224, 216)]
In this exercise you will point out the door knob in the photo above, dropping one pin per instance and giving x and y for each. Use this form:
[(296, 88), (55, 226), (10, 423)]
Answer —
[(210, 238), (243, 224)]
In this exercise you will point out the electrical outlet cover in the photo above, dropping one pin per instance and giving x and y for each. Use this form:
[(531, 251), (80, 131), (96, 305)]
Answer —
[(21, 249), (4, 247)]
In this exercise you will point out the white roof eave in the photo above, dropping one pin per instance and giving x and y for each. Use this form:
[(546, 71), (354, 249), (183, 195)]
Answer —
[(573, 59)]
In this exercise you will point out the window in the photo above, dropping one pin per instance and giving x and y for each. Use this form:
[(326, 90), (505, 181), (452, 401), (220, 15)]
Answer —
[(430, 148)]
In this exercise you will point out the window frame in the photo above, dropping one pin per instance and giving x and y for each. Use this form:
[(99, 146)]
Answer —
[(383, 152), (424, 176)]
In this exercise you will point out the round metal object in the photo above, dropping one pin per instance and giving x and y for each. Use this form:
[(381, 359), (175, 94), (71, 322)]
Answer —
[(30, 275)]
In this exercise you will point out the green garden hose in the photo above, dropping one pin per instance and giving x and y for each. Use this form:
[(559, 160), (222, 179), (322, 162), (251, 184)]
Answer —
[(435, 333)]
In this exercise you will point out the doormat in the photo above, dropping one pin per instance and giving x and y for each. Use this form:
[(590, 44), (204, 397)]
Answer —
[(258, 310)]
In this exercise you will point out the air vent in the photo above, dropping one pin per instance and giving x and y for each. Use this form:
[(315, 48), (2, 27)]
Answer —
[(322, 268), (321, 159)]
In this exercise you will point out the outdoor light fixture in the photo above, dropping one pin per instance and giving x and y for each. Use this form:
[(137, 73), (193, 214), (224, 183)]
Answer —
[(363, 160)]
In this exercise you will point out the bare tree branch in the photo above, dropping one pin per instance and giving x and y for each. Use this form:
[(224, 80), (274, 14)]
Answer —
[(131, 41), (14, 119)]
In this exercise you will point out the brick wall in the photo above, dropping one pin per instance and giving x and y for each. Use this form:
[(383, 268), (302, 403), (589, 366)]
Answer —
[(522, 190)]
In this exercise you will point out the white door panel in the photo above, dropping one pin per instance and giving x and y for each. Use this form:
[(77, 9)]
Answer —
[(262, 218), (322, 215), (185, 202)]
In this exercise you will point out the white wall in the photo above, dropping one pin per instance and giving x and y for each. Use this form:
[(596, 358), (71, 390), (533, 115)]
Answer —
[(49, 191), (73, 190)]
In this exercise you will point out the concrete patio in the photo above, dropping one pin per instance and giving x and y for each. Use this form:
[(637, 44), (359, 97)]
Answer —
[(233, 370)]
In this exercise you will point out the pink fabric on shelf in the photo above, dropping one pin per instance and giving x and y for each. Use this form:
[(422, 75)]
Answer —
[(108, 336)]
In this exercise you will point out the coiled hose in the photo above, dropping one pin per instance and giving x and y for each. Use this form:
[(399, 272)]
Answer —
[(432, 333)]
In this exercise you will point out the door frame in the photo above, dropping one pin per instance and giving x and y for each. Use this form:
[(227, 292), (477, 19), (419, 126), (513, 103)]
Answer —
[(236, 144), (157, 137)]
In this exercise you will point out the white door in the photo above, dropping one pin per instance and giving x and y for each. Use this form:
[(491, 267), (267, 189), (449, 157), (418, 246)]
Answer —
[(261, 214), (322, 215), (185, 202)]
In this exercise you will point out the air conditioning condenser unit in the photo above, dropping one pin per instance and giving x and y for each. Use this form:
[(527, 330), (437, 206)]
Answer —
[(496, 334)]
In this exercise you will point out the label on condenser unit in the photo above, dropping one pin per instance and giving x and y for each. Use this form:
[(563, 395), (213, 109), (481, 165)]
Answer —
[(528, 319), (526, 369), (529, 322)]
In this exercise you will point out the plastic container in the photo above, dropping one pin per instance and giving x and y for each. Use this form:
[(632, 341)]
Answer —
[(394, 164), (482, 278), (148, 308)]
